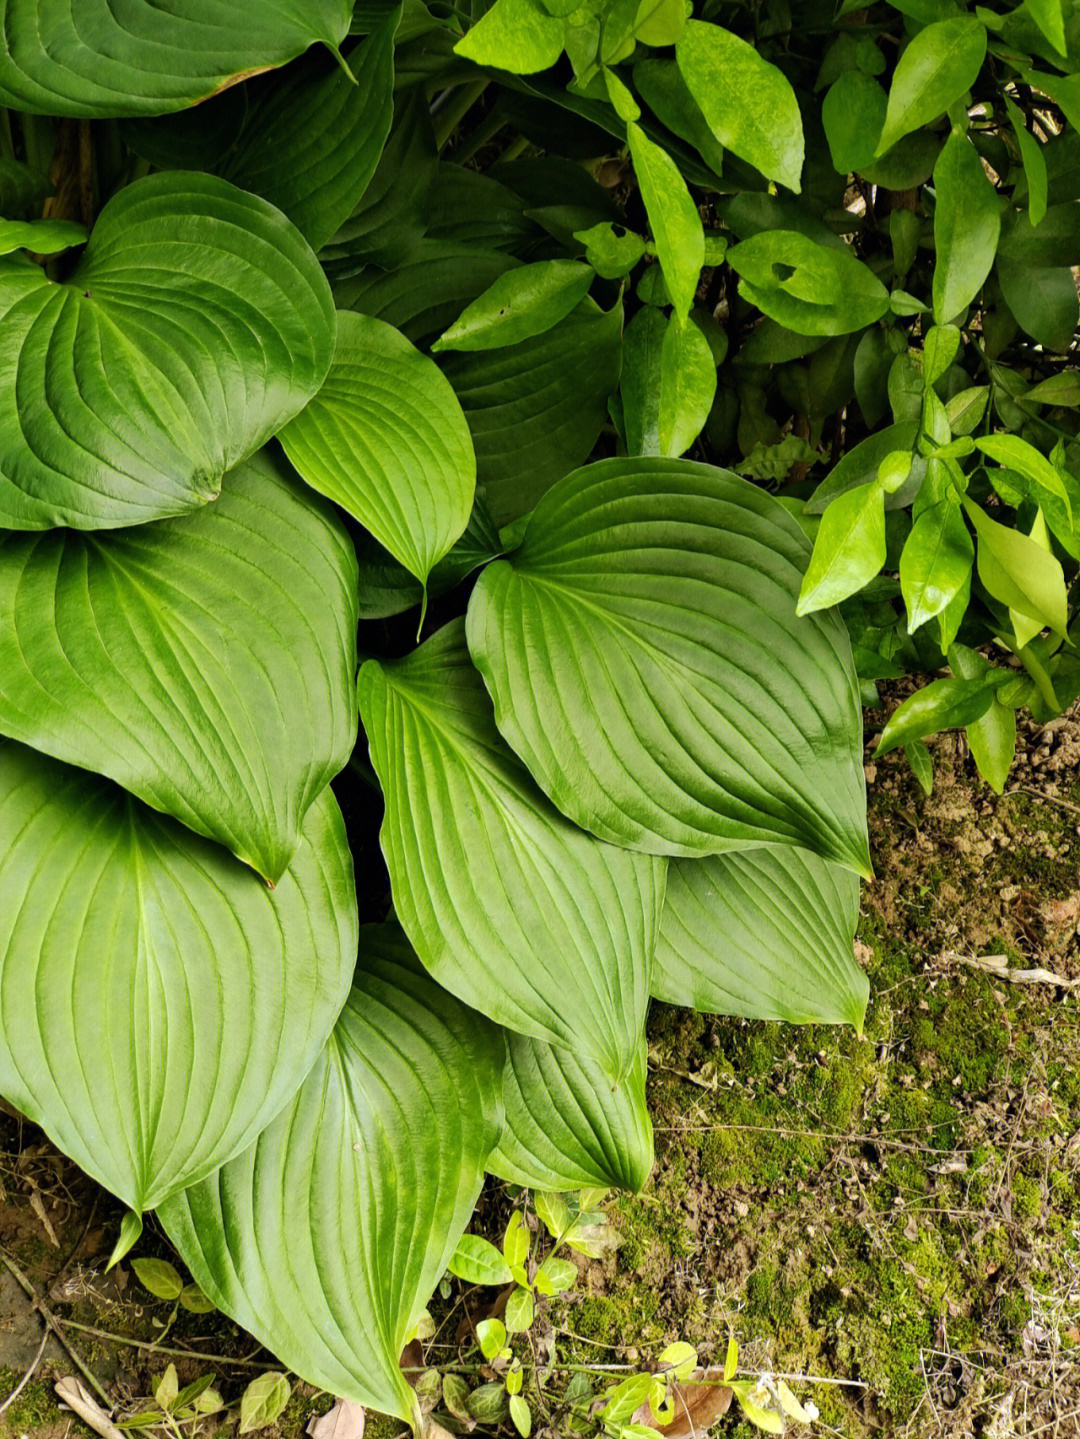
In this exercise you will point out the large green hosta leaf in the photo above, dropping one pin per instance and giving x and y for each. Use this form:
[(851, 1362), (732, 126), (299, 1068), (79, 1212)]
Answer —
[(510, 906), (765, 934), (566, 1128), (196, 324), (204, 663), (536, 408), (158, 1003), (643, 653), (142, 57), (327, 1236), (385, 437)]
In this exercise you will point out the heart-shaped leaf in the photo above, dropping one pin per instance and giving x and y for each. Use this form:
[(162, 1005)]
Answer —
[(385, 437), (196, 324), (566, 1128), (766, 934), (94, 58), (510, 906), (643, 653), (204, 663), (158, 1003), (327, 1236), (535, 409)]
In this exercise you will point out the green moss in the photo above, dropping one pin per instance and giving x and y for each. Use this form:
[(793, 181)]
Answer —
[(1027, 1197), (35, 1406)]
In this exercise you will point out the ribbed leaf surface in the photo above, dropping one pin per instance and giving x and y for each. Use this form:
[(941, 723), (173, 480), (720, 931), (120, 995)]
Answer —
[(158, 1003), (97, 57), (204, 663), (765, 934), (512, 908), (566, 1128), (326, 1238), (385, 437), (643, 653), (536, 408), (197, 324)]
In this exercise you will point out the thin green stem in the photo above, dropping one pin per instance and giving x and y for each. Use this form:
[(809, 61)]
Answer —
[(449, 118)]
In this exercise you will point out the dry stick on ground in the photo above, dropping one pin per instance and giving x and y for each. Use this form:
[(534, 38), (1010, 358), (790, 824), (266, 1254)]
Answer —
[(51, 1322), (165, 1349)]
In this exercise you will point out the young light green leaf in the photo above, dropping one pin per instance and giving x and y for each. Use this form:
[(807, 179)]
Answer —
[(942, 704), (809, 288), (263, 1402), (380, 1152), (731, 1359), (159, 1277), (940, 348), (1031, 153), (558, 1274), (515, 35), (387, 440), (621, 97), (673, 216), (687, 387), (611, 255), (477, 1261), (1019, 572), (553, 1212), (201, 953), (195, 1301), (940, 63), (765, 934), (167, 361), (168, 1388), (628, 615), (565, 1126), (679, 1359), (967, 223), (561, 948), (992, 737), (520, 1413), (86, 62), (936, 561), (520, 1311), (748, 103), (1016, 453), (849, 549), (42, 237), (922, 766), (660, 22), (491, 1334), (516, 1240), (522, 303), (127, 653)]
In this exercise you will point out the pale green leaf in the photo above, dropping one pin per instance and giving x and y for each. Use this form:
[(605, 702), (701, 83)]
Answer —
[(809, 288), (558, 942), (263, 1402), (166, 958), (747, 102), (646, 720), (91, 59), (611, 255), (936, 561), (1019, 572), (938, 66), (992, 737), (849, 549), (673, 216), (42, 237), (765, 934), (477, 1261), (515, 35), (378, 1160), (566, 1128), (159, 1277), (1016, 454), (167, 362), (387, 440), (127, 653), (522, 303)]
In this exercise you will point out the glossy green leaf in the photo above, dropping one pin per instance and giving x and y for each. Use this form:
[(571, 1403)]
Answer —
[(130, 654), (1016, 454), (766, 934), (1019, 572), (135, 955), (673, 217), (327, 1236), (806, 287), (386, 439), (849, 549), (853, 113), (477, 1261), (992, 737), (967, 223), (511, 908), (524, 302), (645, 661), (566, 1128), (747, 102), (42, 237), (687, 387), (535, 409), (941, 345), (91, 58), (1031, 153), (166, 361), (939, 65), (936, 561), (942, 704), (515, 35)]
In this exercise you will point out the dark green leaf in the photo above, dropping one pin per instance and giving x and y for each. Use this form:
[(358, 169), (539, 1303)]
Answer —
[(853, 113)]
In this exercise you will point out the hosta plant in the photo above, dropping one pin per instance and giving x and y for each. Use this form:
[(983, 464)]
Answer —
[(434, 444)]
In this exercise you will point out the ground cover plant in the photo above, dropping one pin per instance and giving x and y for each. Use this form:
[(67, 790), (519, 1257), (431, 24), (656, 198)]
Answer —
[(592, 404)]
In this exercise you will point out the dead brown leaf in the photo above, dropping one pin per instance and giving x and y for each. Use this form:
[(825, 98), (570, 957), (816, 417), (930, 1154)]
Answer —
[(346, 1420), (699, 1403), (412, 1360)]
